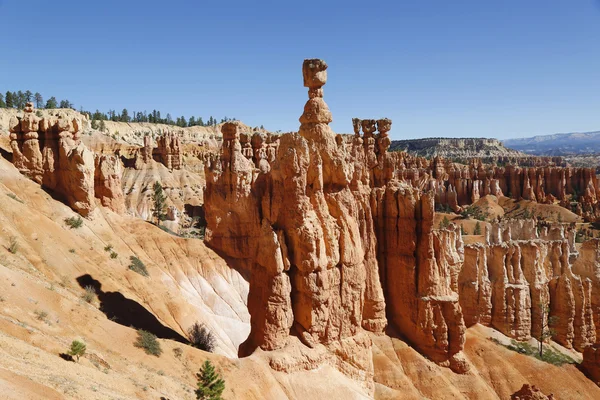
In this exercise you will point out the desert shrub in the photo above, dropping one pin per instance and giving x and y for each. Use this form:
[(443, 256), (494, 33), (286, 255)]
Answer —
[(74, 222), (138, 266), (201, 337), (108, 247), (89, 294), (13, 245), (210, 383), (177, 352), (41, 315), (113, 255), (72, 251), (77, 349), (148, 342)]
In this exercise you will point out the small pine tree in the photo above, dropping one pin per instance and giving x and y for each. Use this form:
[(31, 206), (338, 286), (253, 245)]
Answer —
[(477, 230), (210, 383), (77, 349), (2, 103), (10, 101), (159, 200), (463, 231), (52, 103), (445, 223)]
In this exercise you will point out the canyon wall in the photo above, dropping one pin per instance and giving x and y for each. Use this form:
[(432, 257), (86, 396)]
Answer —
[(519, 279)]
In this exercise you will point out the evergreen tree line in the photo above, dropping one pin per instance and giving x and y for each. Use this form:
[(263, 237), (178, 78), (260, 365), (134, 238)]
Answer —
[(19, 99)]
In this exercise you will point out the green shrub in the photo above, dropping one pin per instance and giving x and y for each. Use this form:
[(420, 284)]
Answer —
[(148, 342), (138, 266), (550, 355), (74, 222), (77, 349), (210, 383)]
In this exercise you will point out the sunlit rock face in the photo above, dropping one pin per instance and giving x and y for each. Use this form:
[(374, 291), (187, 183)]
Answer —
[(49, 150)]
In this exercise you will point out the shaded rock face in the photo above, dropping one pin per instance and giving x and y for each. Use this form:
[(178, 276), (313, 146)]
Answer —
[(107, 182), (50, 152), (591, 362), (517, 279), (329, 236)]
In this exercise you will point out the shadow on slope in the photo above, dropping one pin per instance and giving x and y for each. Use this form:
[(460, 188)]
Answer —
[(127, 312)]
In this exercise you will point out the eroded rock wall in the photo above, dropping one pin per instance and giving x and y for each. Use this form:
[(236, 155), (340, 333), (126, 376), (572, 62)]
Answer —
[(49, 150), (514, 283)]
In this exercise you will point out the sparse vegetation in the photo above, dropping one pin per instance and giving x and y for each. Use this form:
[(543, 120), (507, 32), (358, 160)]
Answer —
[(148, 342), (445, 223), (550, 355), (77, 349), (477, 230), (210, 383), (108, 247), (41, 315), (475, 212), (13, 245), (89, 294), (74, 222), (177, 352), (201, 337), (138, 266)]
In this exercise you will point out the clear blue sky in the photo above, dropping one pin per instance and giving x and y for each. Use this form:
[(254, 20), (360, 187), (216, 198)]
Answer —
[(504, 68)]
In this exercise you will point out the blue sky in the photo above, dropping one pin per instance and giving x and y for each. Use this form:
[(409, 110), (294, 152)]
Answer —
[(468, 68)]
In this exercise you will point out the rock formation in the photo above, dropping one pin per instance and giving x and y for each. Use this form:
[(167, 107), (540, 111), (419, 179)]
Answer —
[(528, 392), (168, 150), (518, 279), (325, 236), (50, 152), (107, 182)]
